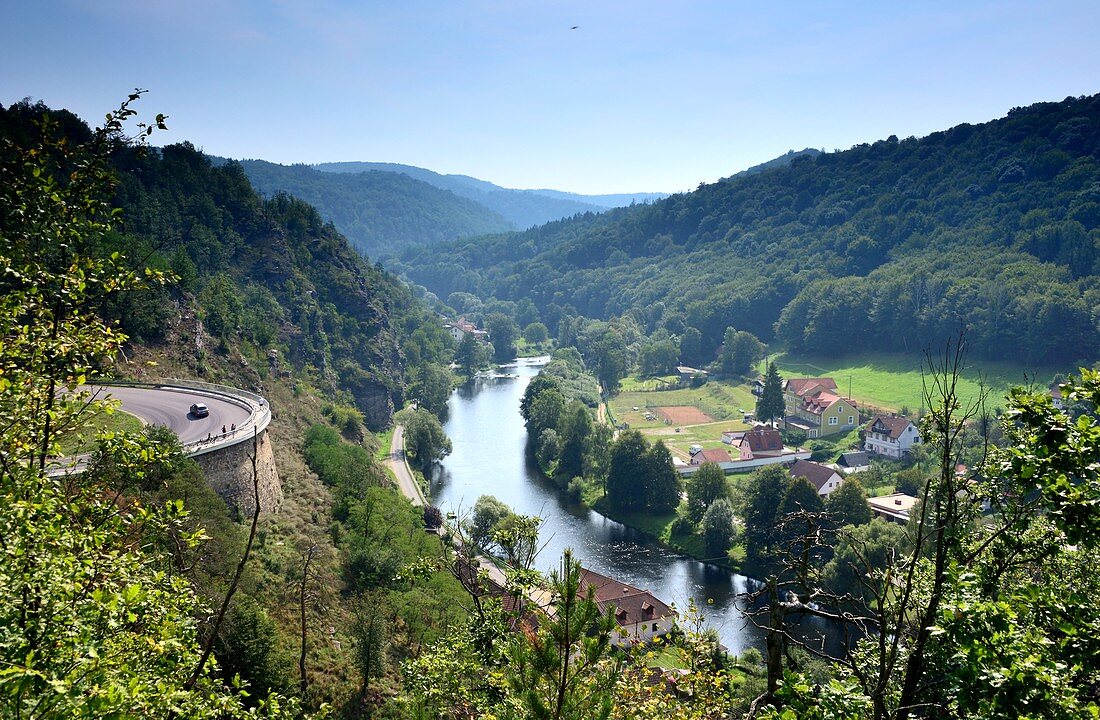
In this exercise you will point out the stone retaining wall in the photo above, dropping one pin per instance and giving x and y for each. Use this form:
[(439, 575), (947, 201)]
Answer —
[(229, 472)]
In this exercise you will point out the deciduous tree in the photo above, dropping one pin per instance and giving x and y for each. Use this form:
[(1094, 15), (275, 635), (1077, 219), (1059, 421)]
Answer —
[(703, 488), (848, 503)]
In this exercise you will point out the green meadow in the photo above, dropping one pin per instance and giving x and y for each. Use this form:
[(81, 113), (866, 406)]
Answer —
[(893, 382)]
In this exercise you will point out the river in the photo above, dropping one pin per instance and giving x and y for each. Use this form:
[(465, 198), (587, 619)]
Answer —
[(489, 458)]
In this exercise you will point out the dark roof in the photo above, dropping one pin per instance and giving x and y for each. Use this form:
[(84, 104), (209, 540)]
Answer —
[(802, 386), (763, 439), (817, 475), (800, 423), (891, 425), (629, 605), (854, 459)]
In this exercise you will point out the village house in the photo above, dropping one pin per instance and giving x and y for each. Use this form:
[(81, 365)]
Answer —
[(824, 479), (795, 389), (893, 508), (719, 456), (1056, 396), (761, 441), (891, 436), (462, 327), (688, 374), (853, 461), (815, 407), (641, 616)]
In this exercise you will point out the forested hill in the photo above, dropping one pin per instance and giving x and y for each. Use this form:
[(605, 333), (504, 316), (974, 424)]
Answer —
[(379, 212), (887, 246), (523, 208), (264, 280)]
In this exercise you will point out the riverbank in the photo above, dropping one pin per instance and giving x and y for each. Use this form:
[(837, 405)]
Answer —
[(659, 529)]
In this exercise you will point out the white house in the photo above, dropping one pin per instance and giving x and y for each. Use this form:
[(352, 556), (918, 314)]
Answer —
[(891, 436), (824, 479), (462, 327)]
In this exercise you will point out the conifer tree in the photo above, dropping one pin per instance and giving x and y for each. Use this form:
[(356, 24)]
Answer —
[(771, 405)]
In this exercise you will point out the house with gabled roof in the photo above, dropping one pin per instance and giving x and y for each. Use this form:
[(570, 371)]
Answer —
[(891, 436), (853, 461), (761, 441), (640, 615), (463, 327), (795, 389), (815, 407), (520, 613), (824, 479), (719, 456)]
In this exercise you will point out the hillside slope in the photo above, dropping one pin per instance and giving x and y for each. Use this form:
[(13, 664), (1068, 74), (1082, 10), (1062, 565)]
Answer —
[(271, 276), (379, 212), (890, 246)]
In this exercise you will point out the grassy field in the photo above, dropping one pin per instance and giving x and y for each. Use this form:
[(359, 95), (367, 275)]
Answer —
[(722, 401), (83, 439), (892, 382), (384, 441)]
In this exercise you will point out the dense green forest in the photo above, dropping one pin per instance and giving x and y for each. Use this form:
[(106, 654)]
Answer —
[(890, 246), (379, 212), (523, 208)]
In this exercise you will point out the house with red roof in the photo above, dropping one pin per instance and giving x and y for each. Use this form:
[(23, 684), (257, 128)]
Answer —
[(719, 456), (761, 441), (641, 616), (463, 327), (891, 436), (795, 389), (815, 406)]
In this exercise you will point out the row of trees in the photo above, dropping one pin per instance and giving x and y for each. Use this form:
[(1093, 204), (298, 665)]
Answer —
[(566, 441)]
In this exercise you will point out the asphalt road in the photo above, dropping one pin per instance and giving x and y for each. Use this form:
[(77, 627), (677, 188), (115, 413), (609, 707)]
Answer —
[(405, 481), (172, 408)]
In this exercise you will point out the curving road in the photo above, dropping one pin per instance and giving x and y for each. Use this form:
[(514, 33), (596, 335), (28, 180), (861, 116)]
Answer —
[(172, 407)]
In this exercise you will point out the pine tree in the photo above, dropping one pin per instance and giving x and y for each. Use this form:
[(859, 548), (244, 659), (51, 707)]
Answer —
[(771, 405)]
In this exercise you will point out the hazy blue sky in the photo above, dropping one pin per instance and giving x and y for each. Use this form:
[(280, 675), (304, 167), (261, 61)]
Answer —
[(641, 96)]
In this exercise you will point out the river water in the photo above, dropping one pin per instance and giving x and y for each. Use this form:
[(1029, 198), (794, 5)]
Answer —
[(489, 458)]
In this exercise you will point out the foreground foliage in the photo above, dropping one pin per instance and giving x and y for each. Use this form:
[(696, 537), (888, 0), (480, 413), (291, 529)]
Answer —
[(96, 618)]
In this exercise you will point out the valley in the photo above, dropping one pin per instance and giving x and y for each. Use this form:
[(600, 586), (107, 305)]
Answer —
[(733, 417)]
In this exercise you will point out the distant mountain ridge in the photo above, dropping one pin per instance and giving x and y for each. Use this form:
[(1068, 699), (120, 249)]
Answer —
[(524, 208), (380, 212)]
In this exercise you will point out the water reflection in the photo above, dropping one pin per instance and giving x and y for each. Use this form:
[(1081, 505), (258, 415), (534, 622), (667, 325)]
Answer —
[(489, 457)]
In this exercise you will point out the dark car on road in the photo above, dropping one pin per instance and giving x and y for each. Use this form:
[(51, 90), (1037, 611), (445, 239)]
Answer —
[(200, 410)]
